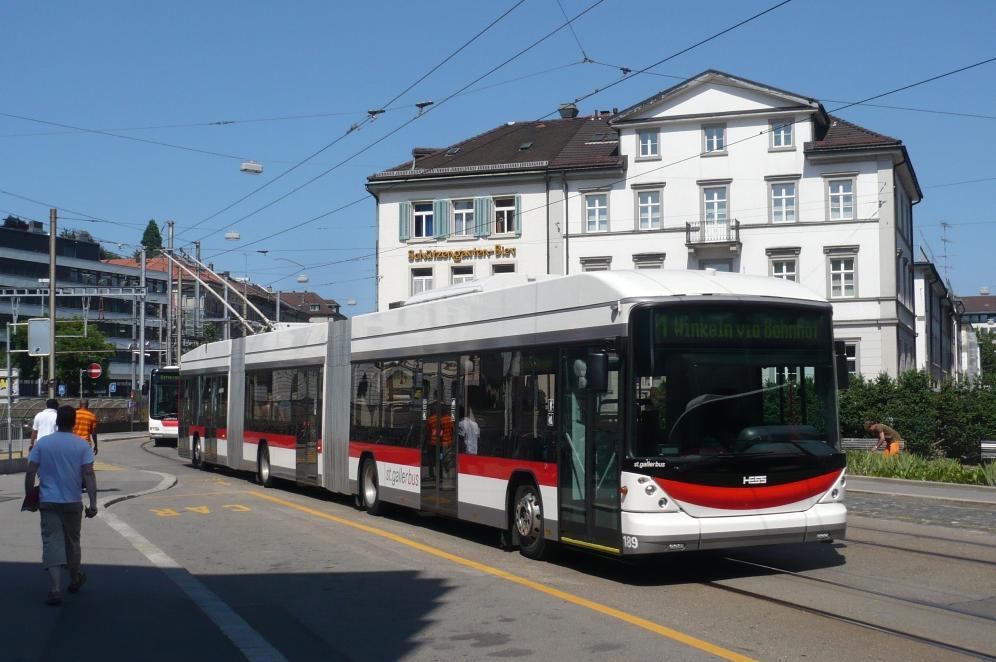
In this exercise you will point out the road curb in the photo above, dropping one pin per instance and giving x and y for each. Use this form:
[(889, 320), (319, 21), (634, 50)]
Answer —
[(909, 495), (166, 482)]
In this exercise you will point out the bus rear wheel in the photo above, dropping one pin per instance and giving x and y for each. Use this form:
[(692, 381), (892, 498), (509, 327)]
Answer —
[(196, 457), (370, 488), (527, 523), (263, 475)]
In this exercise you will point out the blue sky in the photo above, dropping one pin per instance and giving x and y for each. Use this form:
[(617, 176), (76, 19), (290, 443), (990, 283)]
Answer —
[(119, 66)]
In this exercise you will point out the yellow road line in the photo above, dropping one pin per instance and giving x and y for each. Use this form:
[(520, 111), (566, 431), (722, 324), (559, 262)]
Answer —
[(194, 494), (103, 466), (656, 628)]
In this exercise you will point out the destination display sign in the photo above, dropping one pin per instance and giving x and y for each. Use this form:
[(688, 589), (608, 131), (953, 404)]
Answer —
[(741, 327)]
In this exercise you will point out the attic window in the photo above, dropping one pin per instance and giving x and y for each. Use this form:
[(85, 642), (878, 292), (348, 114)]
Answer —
[(524, 146), (452, 150)]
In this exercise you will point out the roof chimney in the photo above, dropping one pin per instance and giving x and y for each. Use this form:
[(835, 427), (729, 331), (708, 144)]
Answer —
[(568, 111), (984, 291)]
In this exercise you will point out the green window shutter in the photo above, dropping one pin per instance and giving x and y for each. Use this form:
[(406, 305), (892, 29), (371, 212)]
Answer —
[(518, 215), (441, 219), (404, 221), (482, 217)]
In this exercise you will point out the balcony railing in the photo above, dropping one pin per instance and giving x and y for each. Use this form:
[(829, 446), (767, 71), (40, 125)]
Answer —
[(719, 232)]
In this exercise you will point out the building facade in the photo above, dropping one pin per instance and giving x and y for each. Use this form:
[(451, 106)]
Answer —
[(716, 172), (938, 325)]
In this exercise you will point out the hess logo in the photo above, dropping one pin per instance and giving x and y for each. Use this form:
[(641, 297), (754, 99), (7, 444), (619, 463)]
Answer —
[(755, 480)]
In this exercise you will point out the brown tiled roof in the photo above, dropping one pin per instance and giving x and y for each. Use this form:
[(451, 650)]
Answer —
[(554, 143), (842, 134), (979, 304)]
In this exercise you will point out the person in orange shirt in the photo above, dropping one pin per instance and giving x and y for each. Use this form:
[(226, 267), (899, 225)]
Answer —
[(86, 425), (888, 439)]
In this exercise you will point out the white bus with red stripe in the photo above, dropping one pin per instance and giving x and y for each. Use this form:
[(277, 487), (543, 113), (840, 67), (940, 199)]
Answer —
[(628, 412), (164, 386)]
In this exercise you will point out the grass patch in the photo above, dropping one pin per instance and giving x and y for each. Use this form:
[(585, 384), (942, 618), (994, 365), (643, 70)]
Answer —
[(915, 467)]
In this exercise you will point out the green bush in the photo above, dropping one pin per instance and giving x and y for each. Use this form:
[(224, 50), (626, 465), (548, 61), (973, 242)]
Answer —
[(935, 420), (916, 467)]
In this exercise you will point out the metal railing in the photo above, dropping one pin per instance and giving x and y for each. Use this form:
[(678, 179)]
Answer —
[(15, 438), (710, 232)]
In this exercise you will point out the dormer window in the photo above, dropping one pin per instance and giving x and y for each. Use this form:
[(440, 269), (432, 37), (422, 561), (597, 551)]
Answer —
[(781, 134)]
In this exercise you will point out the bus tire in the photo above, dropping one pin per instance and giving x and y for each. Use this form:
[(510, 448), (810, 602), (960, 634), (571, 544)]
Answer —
[(527, 522), (370, 488), (264, 476), (196, 454)]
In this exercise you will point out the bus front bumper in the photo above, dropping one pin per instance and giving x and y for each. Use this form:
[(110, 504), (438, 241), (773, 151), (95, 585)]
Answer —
[(656, 533)]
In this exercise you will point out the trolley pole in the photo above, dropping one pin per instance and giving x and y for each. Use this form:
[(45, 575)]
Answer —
[(53, 220), (197, 291), (169, 294), (179, 315)]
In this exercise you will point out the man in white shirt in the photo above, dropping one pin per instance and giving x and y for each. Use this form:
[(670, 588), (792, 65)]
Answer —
[(469, 431), (44, 423)]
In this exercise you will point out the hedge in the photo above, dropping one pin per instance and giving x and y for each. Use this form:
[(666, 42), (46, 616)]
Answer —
[(915, 467), (949, 419)]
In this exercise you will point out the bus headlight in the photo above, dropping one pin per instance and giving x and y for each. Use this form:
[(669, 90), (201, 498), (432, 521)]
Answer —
[(650, 489)]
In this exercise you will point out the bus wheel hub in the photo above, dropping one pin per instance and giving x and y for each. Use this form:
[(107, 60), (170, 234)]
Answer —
[(527, 516)]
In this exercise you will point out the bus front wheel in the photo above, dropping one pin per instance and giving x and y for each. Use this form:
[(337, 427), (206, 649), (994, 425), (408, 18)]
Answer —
[(263, 475), (527, 523), (370, 489)]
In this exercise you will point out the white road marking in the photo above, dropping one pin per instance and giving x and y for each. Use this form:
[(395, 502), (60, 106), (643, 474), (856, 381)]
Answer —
[(246, 639)]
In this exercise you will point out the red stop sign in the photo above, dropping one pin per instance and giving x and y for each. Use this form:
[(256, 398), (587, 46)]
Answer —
[(93, 370)]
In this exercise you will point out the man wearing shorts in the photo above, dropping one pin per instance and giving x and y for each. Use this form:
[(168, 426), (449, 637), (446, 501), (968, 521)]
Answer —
[(62, 461), (888, 439)]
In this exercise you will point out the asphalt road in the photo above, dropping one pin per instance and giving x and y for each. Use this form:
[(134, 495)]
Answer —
[(301, 574)]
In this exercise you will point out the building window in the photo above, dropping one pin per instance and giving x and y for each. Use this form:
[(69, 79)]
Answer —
[(461, 275), (648, 260), (503, 268), (421, 280), (842, 278), (714, 138), (314, 307), (504, 215), (841, 199), (649, 144), (463, 218), (783, 202), (714, 213), (718, 265), (781, 134), (851, 352), (596, 212), (648, 204), (785, 268), (599, 263), (423, 220)]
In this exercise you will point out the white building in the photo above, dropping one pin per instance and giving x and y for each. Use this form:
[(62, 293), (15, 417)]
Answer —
[(717, 171), (938, 337)]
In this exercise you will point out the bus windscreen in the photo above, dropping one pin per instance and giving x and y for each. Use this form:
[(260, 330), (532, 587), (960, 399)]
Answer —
[(164, 395)]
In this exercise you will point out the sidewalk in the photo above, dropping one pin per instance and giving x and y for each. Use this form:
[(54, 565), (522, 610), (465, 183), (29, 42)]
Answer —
[(923, 489), (17, 462), (129, 609)]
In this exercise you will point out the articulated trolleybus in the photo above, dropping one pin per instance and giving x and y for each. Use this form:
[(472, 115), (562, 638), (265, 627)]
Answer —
[(164, 398), (627, 412)]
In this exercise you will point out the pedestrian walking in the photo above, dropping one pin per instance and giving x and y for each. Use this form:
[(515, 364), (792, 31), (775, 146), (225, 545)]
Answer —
[(44, 423), (888, 439), (86, 425), (63, 462)]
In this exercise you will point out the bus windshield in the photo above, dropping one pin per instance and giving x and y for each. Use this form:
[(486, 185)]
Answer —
[(733, 381), (163, 398)]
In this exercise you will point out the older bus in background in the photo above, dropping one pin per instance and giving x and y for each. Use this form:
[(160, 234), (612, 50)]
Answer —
[(164, 399)]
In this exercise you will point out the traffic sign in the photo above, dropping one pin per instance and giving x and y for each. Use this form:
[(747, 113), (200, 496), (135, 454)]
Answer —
[(93, 370), (62, 390), (114, 387)]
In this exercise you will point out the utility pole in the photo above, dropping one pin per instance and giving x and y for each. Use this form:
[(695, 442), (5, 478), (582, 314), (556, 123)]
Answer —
[(169, 294), (278, 306), (944, 240), (141, 328), (179, 315), (53, 220), (197, 291)]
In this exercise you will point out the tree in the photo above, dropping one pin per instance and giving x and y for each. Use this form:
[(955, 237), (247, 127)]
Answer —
[(152, 239), (987, 353), (73, 354), (107, 255)]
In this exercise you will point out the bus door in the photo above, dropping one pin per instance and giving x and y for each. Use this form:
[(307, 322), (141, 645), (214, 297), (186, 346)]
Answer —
[(590, 442), (209, 403), (306, 414), (440, 390)]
